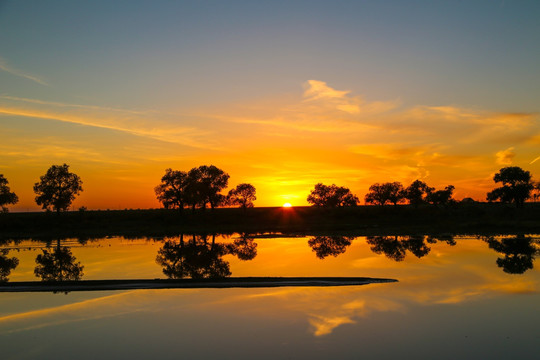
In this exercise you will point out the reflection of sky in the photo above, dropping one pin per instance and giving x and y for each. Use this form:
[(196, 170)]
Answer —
[(454, 299)]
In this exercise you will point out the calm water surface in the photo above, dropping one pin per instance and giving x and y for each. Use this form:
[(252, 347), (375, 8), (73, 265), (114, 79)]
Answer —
[(463, 297)]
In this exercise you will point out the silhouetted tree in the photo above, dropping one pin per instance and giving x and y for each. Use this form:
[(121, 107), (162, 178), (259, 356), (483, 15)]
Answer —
[(243, 195), (331, 196), (58, 265), (204, 186), (6, 264), (6, 196), (324, 246), (57, 188), (516, 186), (380, 194), (172, 190), (416, 192), (441, 197), (519, 253)]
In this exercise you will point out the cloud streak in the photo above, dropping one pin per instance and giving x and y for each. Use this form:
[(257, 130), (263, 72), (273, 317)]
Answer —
[(5, 67), (149, 124)]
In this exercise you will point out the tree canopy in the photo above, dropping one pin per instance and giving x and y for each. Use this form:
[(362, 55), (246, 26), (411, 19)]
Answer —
[(197, 188), (243, 195), (57, 188), (331, 196), (516, 186), (441, 197), (6, 196), (172, 190), (416, 192), (380, 194)]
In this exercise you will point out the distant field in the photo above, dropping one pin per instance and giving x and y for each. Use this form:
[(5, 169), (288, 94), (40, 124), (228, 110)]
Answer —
[(360, 220)]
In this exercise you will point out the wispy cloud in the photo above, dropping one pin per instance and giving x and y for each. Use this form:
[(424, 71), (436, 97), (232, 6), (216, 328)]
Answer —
[(505, 157), (7, 68), (324, 96), (150, 124)]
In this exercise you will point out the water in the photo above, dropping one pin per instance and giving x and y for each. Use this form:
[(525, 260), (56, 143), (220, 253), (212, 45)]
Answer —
[(463, 297)]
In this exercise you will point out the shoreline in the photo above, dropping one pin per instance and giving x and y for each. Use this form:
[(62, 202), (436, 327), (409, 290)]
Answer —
[(457, 219), (135, 284)]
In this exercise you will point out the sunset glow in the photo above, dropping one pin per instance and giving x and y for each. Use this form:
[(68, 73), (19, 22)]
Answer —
[(349, 94), (287, 205)]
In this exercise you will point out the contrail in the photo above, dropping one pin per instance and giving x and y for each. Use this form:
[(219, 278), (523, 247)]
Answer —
[(4, 66)]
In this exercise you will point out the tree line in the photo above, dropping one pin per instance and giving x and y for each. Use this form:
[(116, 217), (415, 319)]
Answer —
[(516, 187), (202, 186)]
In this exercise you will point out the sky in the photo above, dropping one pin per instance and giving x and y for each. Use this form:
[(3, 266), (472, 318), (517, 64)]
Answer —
[(280, 94)]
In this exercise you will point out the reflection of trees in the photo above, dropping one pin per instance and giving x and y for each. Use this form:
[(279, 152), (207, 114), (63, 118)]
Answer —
[(329, 245), (519, 253), (58, 265), (6, 264), (200, 258), (396, 247), (244, 248)]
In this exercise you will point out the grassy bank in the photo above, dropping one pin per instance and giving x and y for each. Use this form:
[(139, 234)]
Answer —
[(361, 220)]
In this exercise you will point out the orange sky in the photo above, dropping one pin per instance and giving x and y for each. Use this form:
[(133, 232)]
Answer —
[(281, 96), (282, 145)]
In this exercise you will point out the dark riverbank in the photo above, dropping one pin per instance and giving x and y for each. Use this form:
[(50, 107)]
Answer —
[(241, 282), (361, 220)]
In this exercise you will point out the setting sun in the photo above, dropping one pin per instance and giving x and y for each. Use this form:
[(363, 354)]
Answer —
[(287, 205)]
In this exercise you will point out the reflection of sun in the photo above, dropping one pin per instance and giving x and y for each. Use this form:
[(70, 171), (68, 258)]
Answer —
[(287, 205)]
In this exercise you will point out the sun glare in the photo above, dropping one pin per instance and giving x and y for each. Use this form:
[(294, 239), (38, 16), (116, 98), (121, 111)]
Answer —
[(287, 205)]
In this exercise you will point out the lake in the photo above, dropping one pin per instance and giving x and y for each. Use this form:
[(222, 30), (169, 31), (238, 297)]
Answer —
[(465, 297)]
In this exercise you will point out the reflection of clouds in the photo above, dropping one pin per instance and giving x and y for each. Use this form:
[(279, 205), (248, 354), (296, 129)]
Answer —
[(448, 276), (325, 308), (111, 305), (325, 325), (349, 312)]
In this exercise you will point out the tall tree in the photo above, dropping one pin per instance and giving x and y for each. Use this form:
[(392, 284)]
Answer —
[(205, 184), (57, 188), (417, 192), (6, 196), (516, 186), (331, 196), (380, 194), (243, 195), (172, 190), (441, 197)]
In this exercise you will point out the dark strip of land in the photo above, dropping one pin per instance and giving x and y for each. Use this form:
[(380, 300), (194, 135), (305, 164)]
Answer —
[(239, 282), (456, 219)]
